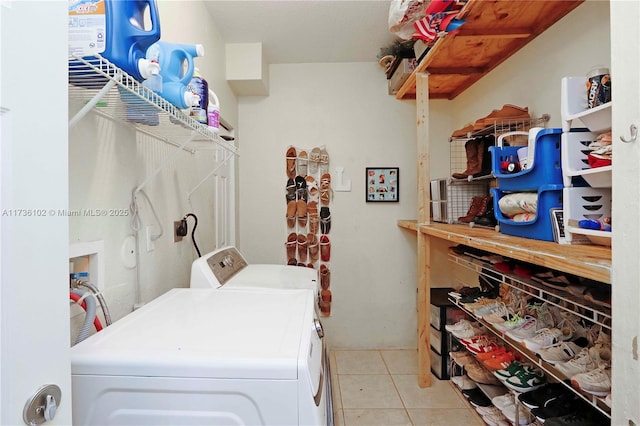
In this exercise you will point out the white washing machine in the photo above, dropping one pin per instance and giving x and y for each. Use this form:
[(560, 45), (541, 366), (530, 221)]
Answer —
[(226, 268), (206, 357)]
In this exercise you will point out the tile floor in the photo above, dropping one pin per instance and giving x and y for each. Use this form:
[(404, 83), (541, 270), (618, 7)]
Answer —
[(380, 387)]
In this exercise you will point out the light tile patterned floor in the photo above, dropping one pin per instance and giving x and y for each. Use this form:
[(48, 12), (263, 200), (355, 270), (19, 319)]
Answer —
[(380, 387)]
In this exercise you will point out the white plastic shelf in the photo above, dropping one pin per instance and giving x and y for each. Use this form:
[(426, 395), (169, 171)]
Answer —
[(582, 203), (573, 106), (575, 162), (101, 87)]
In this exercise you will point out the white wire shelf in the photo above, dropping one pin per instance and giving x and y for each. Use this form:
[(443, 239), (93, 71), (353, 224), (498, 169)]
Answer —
[(101, 87), (531, 357), (566, 301)]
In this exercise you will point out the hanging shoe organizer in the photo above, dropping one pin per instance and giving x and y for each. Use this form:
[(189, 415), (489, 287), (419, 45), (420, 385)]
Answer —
[(308, 197)]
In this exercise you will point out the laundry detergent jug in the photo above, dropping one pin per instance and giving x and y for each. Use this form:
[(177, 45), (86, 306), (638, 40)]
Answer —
[(176, 69), (115, 30)]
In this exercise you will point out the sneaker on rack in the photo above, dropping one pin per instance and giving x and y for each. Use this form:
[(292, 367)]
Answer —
[(526, 330), (586, 417), (485, 310), (464, 382), (459, 325), (462, 358), (479, 303), (482, 344), (560, 352), (481, 375), (580, 363), (526, 380), (495, 420), (468, 330), (564, 404), (543, 396), (491, 354), (499, 361), (596, 382), (509, 371), (524, 417), (502, 401), (516, 321), (483, 411), (477, 398), (543, 338)]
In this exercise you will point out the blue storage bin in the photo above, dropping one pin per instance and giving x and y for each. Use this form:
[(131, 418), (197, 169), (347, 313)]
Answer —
[(547, 167), (541, 228)]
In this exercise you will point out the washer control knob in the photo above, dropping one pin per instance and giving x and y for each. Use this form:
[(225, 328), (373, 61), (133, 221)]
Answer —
[(228, 260), (318, 326)]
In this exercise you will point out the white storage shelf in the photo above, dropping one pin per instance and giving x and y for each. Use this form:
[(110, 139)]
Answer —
[(581, 203), (575, 162), (573, 106)]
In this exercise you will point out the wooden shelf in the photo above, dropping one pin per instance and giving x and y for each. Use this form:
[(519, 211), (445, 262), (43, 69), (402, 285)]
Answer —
[(589, 261), (493, 31)]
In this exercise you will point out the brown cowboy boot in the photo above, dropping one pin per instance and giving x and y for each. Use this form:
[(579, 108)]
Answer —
[(473, 165)]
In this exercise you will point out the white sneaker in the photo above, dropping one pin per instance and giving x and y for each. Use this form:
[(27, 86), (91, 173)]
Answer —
[(457, 326), (526, 330), (581, 363), (466, 331), (524, 416), (543, 338), (560, 352), (495, 420), (464, 382), (596, 382), (502, 401), (516, 321)]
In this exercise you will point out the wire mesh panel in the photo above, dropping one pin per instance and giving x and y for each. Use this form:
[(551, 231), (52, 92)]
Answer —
[(451, 198)]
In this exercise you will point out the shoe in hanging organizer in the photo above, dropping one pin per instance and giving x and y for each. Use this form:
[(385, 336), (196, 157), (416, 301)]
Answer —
[(325, 277), (302, 248), (291, 190), (314, 247), (291, 162), (291, 245), (325, 248), (325, 189), (325, 220), (292, 208), (314, 159), (301, 209), (323, 164), (303, 163)]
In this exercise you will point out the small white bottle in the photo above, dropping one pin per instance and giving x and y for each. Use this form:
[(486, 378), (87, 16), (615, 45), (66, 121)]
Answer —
[(213, 112)]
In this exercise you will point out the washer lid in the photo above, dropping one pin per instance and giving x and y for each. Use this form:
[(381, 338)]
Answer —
[(275, 276), (204, 333)]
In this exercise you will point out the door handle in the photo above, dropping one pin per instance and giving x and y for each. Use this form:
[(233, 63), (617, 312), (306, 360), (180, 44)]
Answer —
[(633, 130), (42, 405)]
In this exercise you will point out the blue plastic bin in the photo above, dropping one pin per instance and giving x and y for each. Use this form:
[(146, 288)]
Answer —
[(547, 167), (549, 196)]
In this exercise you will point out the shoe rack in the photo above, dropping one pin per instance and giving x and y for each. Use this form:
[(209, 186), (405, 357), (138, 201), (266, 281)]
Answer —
[(308, 215), (593, 314)]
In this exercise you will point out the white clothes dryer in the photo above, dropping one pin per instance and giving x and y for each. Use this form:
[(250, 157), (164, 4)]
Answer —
[(203, 356)]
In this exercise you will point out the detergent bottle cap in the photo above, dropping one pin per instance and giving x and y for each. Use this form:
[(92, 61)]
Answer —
[(147, 68), (191, 99), (200, 50)]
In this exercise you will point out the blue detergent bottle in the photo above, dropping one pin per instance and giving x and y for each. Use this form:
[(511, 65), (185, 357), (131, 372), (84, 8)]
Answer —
[(176, 69), (114, 29)]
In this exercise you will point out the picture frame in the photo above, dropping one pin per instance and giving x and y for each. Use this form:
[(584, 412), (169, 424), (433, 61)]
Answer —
[(382, 184)]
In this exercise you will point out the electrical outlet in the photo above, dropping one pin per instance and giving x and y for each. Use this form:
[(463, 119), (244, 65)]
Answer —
[(151, 246), (176, 238)]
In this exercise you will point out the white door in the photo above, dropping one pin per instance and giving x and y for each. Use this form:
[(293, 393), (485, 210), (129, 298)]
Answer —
[(34, 301), (625, 80)]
